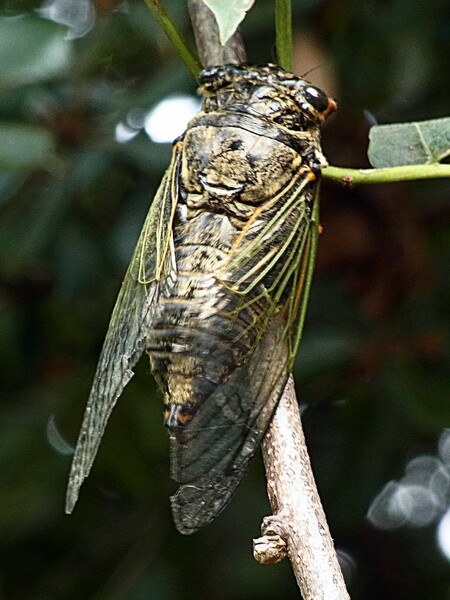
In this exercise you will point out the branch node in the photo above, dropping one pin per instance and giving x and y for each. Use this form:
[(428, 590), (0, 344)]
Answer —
[(272, 547), (276, 524), (269, 549)]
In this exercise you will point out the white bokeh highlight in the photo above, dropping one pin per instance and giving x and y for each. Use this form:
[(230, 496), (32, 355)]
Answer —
[(56, 440), (420, 497), (170, 117), (165, 122), (443, 535), (78, 16)]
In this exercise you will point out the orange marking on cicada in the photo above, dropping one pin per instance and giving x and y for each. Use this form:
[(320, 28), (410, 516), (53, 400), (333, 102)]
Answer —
[(300, 284), (184, 418)]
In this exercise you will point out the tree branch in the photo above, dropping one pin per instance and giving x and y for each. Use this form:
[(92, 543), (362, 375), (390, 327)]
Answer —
[(298, 526), (206, 34)]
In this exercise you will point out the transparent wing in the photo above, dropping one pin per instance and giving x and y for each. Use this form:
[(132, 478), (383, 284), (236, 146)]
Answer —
[(226, 432), (126, 336)]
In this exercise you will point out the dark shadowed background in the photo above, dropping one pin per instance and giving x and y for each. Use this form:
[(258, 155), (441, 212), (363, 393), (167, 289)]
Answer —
[(77, 175)]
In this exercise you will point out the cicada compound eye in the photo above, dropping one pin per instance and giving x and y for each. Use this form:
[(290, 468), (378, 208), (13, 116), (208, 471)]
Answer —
[(316, 98)]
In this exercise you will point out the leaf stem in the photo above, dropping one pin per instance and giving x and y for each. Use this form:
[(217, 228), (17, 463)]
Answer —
[(351, 177), (283, 33), (175, 36)]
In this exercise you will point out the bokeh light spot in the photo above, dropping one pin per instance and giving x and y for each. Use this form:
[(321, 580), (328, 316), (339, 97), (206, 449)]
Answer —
[(443, 535), (78, 17), (170, 117)]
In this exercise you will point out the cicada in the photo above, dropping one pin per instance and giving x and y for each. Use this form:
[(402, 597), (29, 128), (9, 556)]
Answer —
[(216, 288)]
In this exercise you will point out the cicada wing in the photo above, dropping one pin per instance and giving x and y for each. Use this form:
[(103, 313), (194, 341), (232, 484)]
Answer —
[(125, 339), (225, 434)]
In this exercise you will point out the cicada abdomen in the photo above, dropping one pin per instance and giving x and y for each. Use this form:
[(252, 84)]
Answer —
[(214, 289)]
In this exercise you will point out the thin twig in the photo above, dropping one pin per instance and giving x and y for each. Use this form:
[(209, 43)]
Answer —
[(298, 525), (174, 34), (351, 177), (283, 33)]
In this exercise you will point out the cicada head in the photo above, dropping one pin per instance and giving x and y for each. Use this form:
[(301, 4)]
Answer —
[(267, 92)]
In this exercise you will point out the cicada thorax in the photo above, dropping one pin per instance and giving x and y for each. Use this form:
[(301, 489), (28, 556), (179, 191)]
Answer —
[(245, 190)]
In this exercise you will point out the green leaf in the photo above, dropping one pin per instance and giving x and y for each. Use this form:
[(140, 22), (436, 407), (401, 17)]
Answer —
[(228, 15), (31, 49), (424, 142), (24, 146)]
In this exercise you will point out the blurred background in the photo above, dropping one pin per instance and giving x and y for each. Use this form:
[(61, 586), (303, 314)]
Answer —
[(80, 160)]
